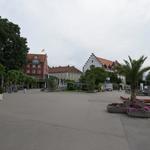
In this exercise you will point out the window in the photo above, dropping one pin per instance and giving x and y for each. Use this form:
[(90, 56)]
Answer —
[(39, 66), (33, 66), (39, 71), (92, 66), (92, 61), (28, 71), (35, 57), (35, 62), (28, 66), (33, 71)]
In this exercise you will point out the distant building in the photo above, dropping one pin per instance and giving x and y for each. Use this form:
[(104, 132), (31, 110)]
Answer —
[(93, 60), (37, 66), (65, 73), (108, 65)]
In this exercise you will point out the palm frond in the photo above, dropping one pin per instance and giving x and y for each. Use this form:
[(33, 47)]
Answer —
[(143, 70)]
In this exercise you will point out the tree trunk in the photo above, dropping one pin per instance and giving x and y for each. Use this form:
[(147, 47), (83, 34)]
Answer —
[(133, 92), (133, 95)]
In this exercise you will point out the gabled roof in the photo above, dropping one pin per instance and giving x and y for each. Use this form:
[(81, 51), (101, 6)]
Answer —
[(40, 57), (105, 62), (64, 69)]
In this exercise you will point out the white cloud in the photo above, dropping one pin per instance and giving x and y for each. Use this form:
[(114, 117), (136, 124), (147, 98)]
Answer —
[(70, 30)]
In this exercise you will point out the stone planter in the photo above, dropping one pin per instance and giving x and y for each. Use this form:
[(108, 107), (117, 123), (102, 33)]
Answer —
[(139, 112), (116, 108)]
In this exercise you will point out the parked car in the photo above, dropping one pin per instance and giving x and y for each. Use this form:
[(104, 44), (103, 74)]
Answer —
[(108, 87)]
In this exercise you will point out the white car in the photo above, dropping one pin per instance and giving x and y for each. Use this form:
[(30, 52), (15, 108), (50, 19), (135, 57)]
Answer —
[(108, 86)]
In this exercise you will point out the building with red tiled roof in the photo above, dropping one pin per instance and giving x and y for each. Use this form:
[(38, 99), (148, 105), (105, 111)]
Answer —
[(37, 66), (65, 73), (105, 61), (64, 69), (93, 60)]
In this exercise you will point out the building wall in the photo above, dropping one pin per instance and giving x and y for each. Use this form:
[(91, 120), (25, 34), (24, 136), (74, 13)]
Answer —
[(66, 76), (91, 61), (39, 70), (35, 70), (45, 68)]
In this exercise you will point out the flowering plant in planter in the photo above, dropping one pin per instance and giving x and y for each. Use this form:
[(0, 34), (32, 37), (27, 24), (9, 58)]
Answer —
[(143, 112), (116, 108)]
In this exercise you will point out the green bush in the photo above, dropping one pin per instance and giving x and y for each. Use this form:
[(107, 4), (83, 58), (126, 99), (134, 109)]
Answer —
[(52, 83), (71, 85)]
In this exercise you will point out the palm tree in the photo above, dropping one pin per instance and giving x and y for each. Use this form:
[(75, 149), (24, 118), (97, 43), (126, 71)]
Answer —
[(133, 71)]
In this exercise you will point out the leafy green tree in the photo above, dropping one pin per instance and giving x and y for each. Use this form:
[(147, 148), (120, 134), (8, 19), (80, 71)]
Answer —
[(13, 77), (90, 82), (133, 71), (100, 75), (21, 78), (2, 72), (29, 81), (91, 79), (13, 47), (114, 77)]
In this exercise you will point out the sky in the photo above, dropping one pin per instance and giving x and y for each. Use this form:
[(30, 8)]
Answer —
[(70, 30)]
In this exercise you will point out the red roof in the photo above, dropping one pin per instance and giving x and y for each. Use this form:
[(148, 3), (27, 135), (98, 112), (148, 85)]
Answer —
[(40, 57), (105, 62), (64, 69)]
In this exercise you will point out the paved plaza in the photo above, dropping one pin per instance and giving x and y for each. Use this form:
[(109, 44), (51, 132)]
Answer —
[(68, 121)]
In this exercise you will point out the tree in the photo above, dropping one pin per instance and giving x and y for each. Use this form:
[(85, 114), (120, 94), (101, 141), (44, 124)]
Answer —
[(13, 47), (90, 82), (91, 79), (133, 71), (29, 81), (2, 72), (13, 77), (114, 77)]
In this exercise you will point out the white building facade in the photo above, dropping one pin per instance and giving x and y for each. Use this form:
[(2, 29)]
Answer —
[(99, 62), (108, 65), (91, 61), (65, 73)]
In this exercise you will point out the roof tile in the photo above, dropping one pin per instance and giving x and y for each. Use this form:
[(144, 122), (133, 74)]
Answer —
[(64, 69)]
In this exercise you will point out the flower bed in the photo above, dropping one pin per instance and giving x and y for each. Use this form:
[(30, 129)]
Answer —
[(116, 108), (143, 112), (135, 108)]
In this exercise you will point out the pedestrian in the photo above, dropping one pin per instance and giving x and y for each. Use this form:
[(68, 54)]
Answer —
[(25, 90)]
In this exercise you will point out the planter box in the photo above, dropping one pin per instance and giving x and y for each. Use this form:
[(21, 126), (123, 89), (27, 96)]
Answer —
[(138, 113), (116, 108)]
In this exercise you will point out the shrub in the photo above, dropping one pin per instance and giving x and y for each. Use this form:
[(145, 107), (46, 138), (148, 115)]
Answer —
[(1, 90), (71, 85), (52, 83)]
